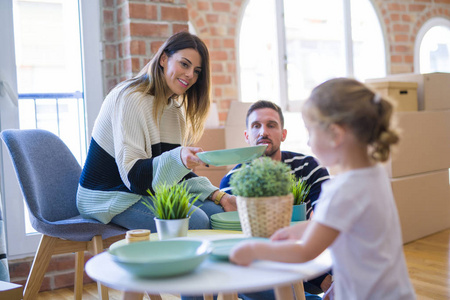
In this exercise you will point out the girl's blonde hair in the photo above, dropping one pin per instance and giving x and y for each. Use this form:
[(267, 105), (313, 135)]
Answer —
[(196, 100), (348, 102)]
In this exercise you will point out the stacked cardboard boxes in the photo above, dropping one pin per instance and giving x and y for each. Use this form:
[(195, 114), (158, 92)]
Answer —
[(419, 164), (226, 137)]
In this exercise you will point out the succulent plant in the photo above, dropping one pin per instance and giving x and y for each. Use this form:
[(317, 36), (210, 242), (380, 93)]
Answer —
[(263, 177), (300, 190), (170, 202)]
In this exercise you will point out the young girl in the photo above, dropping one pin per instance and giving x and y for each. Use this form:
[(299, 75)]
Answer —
[(349, 130)]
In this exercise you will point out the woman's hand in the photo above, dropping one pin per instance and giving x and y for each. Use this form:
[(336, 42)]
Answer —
[(189, 157)]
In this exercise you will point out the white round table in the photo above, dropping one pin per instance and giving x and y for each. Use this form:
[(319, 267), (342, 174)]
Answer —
[(211, 277)]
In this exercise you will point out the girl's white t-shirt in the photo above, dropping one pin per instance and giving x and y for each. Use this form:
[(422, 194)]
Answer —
[(368, 260)]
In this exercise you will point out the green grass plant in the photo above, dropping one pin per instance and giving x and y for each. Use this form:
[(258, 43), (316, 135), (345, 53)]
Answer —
[(171, 202), (263, 177), (300, 190)]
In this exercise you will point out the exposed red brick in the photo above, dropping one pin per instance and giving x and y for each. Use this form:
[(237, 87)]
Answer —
[(396, 7), (143, 11), (225, 104), (401, 37), (203, 5), (218, 55), (179, 27), (396, 58), (174, 13), (409, 58), (217, 91), (200, 23), (401, 27), (406, 18), (46, 284), (19, 269), (223, 117), (149, 30), (108, 16), (137, 47), (109, 34), (229, 43), (108, 3), (154, 46), (63, 280), (217, 43), (136, 64), (61, 263), (221, 6), (221, 79), (216, 67), (401, 48), (416, 7), (442, 1), (110, 52), (231, 68), (212, 18), (394, 17), (127, 68)]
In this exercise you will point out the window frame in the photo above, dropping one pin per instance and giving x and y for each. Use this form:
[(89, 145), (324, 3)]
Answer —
[(433, 22)]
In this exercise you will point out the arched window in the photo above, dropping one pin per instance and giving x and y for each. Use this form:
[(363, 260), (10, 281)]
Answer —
[(432, 48), (287, 47)]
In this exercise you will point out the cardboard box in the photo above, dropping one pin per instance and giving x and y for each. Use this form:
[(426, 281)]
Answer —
[(423, 203), (403, 94), (10, 291), (433, 90), (212, 139), (214, 174), (424, 144)]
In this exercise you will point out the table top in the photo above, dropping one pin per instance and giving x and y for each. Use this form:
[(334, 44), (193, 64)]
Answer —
[(212, 276)]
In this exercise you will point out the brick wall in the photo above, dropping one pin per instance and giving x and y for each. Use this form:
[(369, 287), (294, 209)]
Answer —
[(134, 29)]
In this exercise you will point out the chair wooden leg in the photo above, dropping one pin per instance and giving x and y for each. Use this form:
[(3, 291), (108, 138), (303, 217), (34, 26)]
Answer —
[(97, 247), (299, 291), (79, 270), (39, 267), (284, 293)]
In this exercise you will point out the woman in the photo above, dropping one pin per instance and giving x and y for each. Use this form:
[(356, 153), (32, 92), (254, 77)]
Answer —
[(138, 136)]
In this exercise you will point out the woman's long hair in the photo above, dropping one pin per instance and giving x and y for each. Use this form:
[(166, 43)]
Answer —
[(196, 100)]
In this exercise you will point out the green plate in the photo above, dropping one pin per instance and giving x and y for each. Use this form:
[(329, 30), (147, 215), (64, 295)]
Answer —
[(221, 248), (226, 217), (231, 156), (161, 258)]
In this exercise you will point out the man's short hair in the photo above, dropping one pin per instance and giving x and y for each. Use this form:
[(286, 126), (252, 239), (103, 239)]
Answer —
[(265, 104)]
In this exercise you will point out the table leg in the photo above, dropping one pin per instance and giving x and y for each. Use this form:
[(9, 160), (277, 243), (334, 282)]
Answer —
[(284, 293), (232, 296), (154, 297), (132, 296), (299, 291)]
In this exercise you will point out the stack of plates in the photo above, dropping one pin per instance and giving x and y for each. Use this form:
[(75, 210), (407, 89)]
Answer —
[(226, 221)]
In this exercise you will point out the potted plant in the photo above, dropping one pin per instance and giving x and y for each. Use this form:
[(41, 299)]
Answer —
[(171, 205), (264, 196), (300, 190)]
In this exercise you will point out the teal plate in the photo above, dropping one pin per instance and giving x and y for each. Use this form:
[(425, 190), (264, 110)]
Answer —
[(231, 217), (161, 258), (231, 156), (222, 248)]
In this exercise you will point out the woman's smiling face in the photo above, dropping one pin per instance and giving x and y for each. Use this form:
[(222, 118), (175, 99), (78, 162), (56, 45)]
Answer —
[(181, 70)]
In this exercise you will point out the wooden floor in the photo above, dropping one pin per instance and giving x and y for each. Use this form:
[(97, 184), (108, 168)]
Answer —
[(427, 260)]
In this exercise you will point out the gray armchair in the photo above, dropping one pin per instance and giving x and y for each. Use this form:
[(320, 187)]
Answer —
[(48, 175)]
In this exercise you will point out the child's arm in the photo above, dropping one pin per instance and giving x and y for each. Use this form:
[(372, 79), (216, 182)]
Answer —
[(291, 232), (316, 239)]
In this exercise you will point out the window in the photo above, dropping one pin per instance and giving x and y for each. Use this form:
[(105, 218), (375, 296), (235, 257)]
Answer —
[(432, 49), (288, 47), (62, 54)]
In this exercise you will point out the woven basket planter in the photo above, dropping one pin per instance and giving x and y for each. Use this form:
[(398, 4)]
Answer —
[(262, 216)]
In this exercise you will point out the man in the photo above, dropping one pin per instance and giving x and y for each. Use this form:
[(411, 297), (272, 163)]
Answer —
[(265, 125)]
